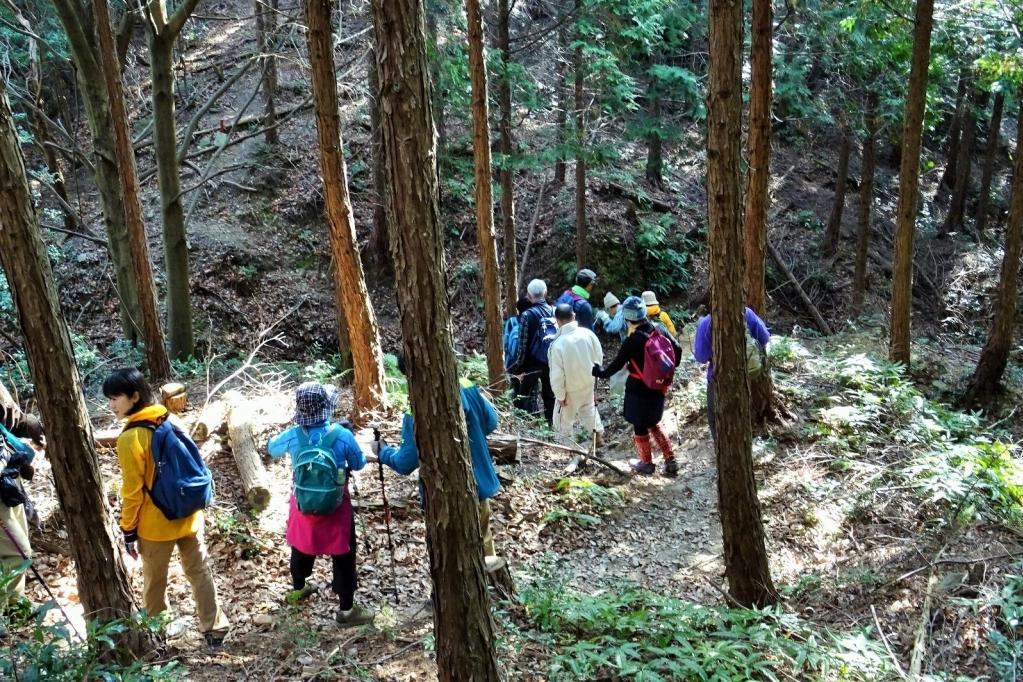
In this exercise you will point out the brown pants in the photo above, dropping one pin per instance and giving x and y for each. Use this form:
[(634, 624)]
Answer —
[(14, 548), (194, 560), (488, 536)]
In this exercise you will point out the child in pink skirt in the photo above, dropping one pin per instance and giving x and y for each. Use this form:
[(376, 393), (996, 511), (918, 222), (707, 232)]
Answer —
[(331, 534)]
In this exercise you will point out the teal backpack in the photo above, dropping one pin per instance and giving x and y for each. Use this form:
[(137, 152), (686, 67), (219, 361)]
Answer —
[(318, 481)]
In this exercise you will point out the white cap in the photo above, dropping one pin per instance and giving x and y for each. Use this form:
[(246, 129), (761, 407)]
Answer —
[(610, 300)]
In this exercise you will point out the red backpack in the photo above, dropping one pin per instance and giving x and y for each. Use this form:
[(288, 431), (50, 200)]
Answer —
[(658, 363)]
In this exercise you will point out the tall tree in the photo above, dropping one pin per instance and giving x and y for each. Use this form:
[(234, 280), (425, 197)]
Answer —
[(581, 231), (164, 29), (654, 170), (504, 97), (866, 204), (759, 153), (156, 352), (103, 585), (954, 218), (355, 314), (955, 131), (746, 565), (266, 25), (829, 244), (380, 240), (485, 196), (909, 183), (75, 17), (995, 355), (561, 118), (464, 631), (991, 150)]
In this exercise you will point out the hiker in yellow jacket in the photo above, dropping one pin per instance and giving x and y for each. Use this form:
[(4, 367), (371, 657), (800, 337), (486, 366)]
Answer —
[(147, 532), (656, 315)]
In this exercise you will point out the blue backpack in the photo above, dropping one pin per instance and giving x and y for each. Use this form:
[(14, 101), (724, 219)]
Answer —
[(183, 484), (540, 345), (318, 482), (511, 340)]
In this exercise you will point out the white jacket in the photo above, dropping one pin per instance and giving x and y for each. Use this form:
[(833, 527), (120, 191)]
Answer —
[(573, 353)]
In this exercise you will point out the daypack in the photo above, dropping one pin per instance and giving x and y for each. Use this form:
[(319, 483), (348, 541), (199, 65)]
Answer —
[(658, 363), (754, 355), (511, 340), (540, 346), (183, 483), (318, 482)]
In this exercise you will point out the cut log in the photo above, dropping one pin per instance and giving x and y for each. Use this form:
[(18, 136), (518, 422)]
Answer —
[(213, 420), (504, 447), (174, 397), (106, 438), (822, 324), (246, 457)]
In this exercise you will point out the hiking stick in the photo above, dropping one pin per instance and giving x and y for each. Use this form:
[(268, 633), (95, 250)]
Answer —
[(387, 512), (35, 572)]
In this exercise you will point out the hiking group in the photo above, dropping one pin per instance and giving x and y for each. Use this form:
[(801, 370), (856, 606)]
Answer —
[(165, 485)]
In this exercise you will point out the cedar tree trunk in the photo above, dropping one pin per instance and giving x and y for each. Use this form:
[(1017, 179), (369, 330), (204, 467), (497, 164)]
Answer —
[(954, 218), (266, 25), (995, 355), (909, 183), (866, 206), (379, 240), (485, 197), (156, 352), (463, 628), (654, 151), (831, 234), (993, 133), (759, 154), (746, 565), (504, 97), (353, 298), (561, 121), (581, 231), (955, 132)]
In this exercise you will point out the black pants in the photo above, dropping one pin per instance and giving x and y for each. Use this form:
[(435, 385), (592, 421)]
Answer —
[(534, 373), (345, 574)]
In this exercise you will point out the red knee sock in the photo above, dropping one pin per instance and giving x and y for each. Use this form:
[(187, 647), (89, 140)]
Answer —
[(643, 447), (663, 442)]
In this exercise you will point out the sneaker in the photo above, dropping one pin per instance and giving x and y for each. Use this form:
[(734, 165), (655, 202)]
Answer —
[(642, 468), (215, 638), (358, 615), (295, 596), (670, 468)]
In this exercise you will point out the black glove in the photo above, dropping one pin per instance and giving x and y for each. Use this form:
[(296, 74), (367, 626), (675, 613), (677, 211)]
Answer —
[(596, 370), (27, 471), (130, 537)]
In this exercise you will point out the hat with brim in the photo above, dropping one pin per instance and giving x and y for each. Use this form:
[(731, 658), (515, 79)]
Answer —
[(314, 403), (610, 300), (650, 298)]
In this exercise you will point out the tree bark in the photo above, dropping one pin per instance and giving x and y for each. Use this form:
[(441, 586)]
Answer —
[(954, 218), (156, 352), (866, 206), (746, 564), (97, 111), (759, 154), (561, 120), (484, 196), (833, 231), (353, 298), (504, 97), (103, 585), (379, 240), (909, 184), (654, 153), (993, 133), (947, 181), (163, 32), (581, 230), (437, 93), (995, 355), (266, 25), (464, 631)]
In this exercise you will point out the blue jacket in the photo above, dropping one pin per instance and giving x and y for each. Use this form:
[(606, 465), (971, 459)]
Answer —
[(347, 454), (20, 452), (480, 419), (580, 306)]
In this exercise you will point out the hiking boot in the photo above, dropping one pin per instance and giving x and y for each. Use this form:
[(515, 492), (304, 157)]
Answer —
[(215, 638), (670, 468), (295, 596), (493, 564), (642, 468), (598, 439), (358, 615)]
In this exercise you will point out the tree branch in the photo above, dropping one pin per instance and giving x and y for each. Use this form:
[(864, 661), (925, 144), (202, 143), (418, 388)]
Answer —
[(178, 19), (80, 235), (186, 139)]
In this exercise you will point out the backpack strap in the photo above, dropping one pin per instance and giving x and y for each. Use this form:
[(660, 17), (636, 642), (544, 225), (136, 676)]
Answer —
[(635, 372), (332, 433)]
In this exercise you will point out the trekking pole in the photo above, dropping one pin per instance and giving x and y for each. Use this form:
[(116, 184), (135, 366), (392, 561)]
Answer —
[(35, 572), (387, 512)]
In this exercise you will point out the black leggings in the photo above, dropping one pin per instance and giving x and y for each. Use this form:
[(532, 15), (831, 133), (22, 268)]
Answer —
[(345, 574)]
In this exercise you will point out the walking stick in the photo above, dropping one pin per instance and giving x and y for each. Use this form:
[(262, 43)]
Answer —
[(35, 572), (387, 512)]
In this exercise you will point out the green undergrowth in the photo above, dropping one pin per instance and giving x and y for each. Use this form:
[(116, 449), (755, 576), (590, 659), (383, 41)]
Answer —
[(630, 633), (882, 428), (582, 503)]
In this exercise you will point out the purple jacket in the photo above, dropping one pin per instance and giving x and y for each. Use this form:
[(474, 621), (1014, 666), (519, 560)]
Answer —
[(703, 347)]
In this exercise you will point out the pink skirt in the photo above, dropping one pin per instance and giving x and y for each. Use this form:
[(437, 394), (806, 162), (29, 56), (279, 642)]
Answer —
[(321, 534)]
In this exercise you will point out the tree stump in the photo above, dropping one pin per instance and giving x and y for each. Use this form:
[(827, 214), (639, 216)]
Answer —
[(504, 447), (246, 457), (174, 397)]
